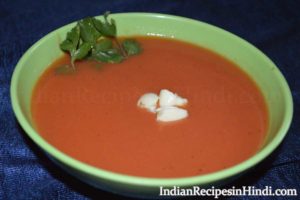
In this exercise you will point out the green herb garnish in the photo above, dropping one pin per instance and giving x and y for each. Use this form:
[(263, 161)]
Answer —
[(94, 39), (131, 46)]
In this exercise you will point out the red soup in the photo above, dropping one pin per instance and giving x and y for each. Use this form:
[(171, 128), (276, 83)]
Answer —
[(92, 115)]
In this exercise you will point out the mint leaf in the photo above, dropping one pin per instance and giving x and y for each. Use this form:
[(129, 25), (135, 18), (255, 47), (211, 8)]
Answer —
[(74, 35), (132, 47), (66, 45), (108, 56), (82, 51), (72, 40), (103, 45), (94, 39), (106, 28), (88, 32)]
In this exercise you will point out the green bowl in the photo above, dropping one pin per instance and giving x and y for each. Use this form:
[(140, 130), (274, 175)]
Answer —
[(263, 71)]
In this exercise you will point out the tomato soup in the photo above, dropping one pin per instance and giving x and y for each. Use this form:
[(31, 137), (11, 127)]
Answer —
[(92, 114)]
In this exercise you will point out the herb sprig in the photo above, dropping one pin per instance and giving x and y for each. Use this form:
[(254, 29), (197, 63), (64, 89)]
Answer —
[(94, 39)]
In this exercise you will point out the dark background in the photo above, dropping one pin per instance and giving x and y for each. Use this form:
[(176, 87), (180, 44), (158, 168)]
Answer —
[(272, 26)]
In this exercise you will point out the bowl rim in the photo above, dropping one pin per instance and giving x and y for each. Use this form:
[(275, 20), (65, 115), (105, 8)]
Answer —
[(145, 181)]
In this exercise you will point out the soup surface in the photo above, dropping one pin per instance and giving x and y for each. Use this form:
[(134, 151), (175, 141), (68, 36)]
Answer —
[(92, 115)]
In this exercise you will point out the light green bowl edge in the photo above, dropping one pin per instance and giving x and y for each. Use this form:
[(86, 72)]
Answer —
[(155, 182)]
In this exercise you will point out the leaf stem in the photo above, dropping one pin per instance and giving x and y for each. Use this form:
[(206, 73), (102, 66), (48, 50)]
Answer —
[(72, 63), (123, 52)]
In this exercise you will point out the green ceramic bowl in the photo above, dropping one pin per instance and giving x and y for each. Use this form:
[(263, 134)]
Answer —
[(266, 75)]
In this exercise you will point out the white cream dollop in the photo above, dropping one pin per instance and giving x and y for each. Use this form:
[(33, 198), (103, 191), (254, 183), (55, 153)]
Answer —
[(168, 98), (171, 113), (148, 101), (165, 105)]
